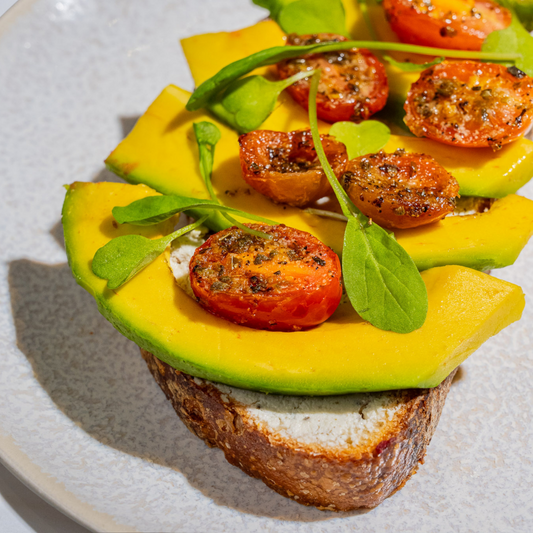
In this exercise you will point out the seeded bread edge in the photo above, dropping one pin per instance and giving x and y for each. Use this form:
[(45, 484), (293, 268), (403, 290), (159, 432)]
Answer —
[(335, 479)]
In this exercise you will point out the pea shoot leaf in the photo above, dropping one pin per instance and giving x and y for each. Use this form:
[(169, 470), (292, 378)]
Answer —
[(407, 66), (513, 39), (306, 17), (248, 102), (209, 89), (207, 136), (154, 209), (368, 137), (381, 280), (124, 257), (274, 6)]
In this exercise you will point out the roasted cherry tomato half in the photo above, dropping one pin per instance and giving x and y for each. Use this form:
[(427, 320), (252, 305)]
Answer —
[(471, 104), (459, 24), (400, 190), (287, 283), (285, 167), (353, 85)]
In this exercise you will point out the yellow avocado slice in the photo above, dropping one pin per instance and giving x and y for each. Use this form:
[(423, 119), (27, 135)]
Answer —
[(161, 152), (342, 355), (479, 171)]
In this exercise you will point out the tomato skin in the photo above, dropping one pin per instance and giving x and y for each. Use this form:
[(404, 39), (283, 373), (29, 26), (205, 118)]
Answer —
[(400, 190), (288, 283), (461, 24), (353, 85), (285, 167), (470, 104)]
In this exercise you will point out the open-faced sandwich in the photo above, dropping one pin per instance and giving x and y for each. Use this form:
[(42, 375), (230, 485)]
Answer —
[(302, 283)]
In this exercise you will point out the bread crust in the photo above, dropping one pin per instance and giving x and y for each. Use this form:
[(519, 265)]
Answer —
[(333, 479)]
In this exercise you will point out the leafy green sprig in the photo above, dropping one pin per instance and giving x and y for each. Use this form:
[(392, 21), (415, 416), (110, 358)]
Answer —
[(207, 136), (154, 209), (125, 256), (307, 16), (381, 280), (206, 93), (367, 137), (248, 102)]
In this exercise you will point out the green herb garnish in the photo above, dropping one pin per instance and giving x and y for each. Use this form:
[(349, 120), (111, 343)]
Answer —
[(407, 66), (248, 102), (154, 209), (367, 137), (124, 257), (205, 94), (306, 17), (381, 280), (514, 39), (207, 136)]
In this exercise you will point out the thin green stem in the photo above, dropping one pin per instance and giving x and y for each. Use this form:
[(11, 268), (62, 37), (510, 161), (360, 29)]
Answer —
[(415, 49), (184, 230), (297, 77), (326, 214), (347, 206), (222, 79), (255, 232)]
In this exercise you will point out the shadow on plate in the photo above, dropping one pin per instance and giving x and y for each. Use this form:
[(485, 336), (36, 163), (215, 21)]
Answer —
[(98, 379)]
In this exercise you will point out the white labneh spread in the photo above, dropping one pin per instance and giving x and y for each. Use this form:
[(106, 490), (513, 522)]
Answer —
[(181, 252), (329, 421)]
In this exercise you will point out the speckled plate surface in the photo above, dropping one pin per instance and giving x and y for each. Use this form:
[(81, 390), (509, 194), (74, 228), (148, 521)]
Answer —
[(81, 420)]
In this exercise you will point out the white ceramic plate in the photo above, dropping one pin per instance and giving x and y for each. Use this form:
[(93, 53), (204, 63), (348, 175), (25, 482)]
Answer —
[(82, 422)]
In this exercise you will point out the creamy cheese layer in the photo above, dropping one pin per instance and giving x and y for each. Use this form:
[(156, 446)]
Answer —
[(329, 421)]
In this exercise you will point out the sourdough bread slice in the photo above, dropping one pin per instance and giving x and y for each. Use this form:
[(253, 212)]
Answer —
[(337, 453)]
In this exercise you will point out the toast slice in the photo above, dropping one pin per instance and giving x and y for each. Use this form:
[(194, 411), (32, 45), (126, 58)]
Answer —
[(336, 453)]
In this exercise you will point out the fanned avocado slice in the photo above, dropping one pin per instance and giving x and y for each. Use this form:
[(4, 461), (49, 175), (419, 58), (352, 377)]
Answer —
[(161, 152), (345, 354)]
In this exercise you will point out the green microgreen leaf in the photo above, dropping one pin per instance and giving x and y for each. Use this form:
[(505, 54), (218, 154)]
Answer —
[(367, 137), (381, 280), (124, 257), (407, 66), (207, 136), (154, 209), (514, 39), (207, 91), (248, 102), (306, 17), (274, 6)]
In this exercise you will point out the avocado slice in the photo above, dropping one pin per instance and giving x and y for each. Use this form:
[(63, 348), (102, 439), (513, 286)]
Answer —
[(479, 171), (345, 354), (161, 152)]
